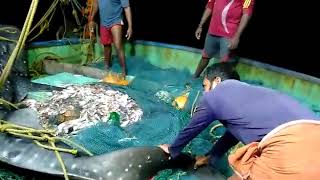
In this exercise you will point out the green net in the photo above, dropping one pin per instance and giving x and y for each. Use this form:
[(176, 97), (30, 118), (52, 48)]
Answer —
[(160, 123), (153, 89), (8, 175)]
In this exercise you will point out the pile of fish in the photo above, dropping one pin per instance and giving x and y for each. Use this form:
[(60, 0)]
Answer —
[(77, 107)]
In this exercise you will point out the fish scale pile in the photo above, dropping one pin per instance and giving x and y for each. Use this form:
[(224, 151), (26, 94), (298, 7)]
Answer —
[(94, 103)]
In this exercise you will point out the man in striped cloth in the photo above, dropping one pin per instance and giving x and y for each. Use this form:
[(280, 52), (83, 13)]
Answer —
[(281, 136)]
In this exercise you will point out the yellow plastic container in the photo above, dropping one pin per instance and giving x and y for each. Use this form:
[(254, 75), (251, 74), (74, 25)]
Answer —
[(181, 101)]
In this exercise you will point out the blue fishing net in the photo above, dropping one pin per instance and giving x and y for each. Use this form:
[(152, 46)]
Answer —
[(8, 175), (160, 123)]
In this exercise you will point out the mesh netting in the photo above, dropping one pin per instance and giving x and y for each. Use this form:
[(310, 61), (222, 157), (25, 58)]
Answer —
[(8, 175), (103, 138), (160, 122)]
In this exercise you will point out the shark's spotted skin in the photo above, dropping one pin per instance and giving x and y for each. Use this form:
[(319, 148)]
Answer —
[(135, 163)]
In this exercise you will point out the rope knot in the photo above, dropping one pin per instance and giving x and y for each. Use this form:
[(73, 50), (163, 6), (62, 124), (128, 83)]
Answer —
[(4, 127), (48, 138)]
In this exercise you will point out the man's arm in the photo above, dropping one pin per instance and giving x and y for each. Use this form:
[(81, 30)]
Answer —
[(127, 11), (206, 14), (201, 119), (222, 146), (218, 150), (243, 23), (247, 12)]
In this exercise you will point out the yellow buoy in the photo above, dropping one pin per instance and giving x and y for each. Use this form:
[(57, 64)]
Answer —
[(180, 101)]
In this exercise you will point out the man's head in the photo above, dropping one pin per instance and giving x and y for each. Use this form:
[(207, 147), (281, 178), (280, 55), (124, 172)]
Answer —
[(217, 73)]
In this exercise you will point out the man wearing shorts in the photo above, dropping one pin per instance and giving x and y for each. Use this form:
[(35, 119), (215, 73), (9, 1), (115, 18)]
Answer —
[(111, 27), (228, 20)]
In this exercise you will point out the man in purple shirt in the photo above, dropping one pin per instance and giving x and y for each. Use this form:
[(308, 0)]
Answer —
[(248, 112)]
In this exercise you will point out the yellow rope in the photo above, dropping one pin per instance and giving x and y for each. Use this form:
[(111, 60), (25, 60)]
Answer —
[(25, 128), (20, 43), (60, 161), (7, 39), (67, 141), (64, 22), (75, 14), (44, 26), (26, 136), (77, 4), (46, 15), (36, 134), (18, 130), (43, 22), (70, 151), (7, 104), (10, 30), (29, 20), (44, 136)]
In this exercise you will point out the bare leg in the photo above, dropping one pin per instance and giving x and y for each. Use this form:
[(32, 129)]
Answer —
[(201, 66), (117, 39), (107, 56)]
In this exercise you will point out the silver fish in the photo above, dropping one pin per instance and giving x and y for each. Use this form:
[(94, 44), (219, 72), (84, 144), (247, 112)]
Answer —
[(94, 102)]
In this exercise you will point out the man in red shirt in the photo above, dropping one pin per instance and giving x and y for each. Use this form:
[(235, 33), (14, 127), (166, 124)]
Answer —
[(228, 20)]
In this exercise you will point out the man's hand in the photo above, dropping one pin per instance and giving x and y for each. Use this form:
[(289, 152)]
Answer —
[(198, 32), (233, 43), (201, 161), (129, 33), (165, 147)]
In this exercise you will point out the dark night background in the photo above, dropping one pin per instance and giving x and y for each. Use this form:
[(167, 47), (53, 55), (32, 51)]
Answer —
[(268, 37)]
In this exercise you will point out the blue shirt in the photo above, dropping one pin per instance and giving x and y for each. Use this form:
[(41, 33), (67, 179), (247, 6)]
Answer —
[(248, 112), (111, 11)]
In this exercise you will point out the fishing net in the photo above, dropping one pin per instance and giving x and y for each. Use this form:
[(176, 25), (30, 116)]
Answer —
[(8, 175), (153, 89)]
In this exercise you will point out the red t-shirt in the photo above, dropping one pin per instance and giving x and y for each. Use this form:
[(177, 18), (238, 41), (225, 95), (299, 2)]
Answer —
[(226, 15)]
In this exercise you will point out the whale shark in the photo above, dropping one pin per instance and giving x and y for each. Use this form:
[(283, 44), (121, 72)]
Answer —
[(134, 163)]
